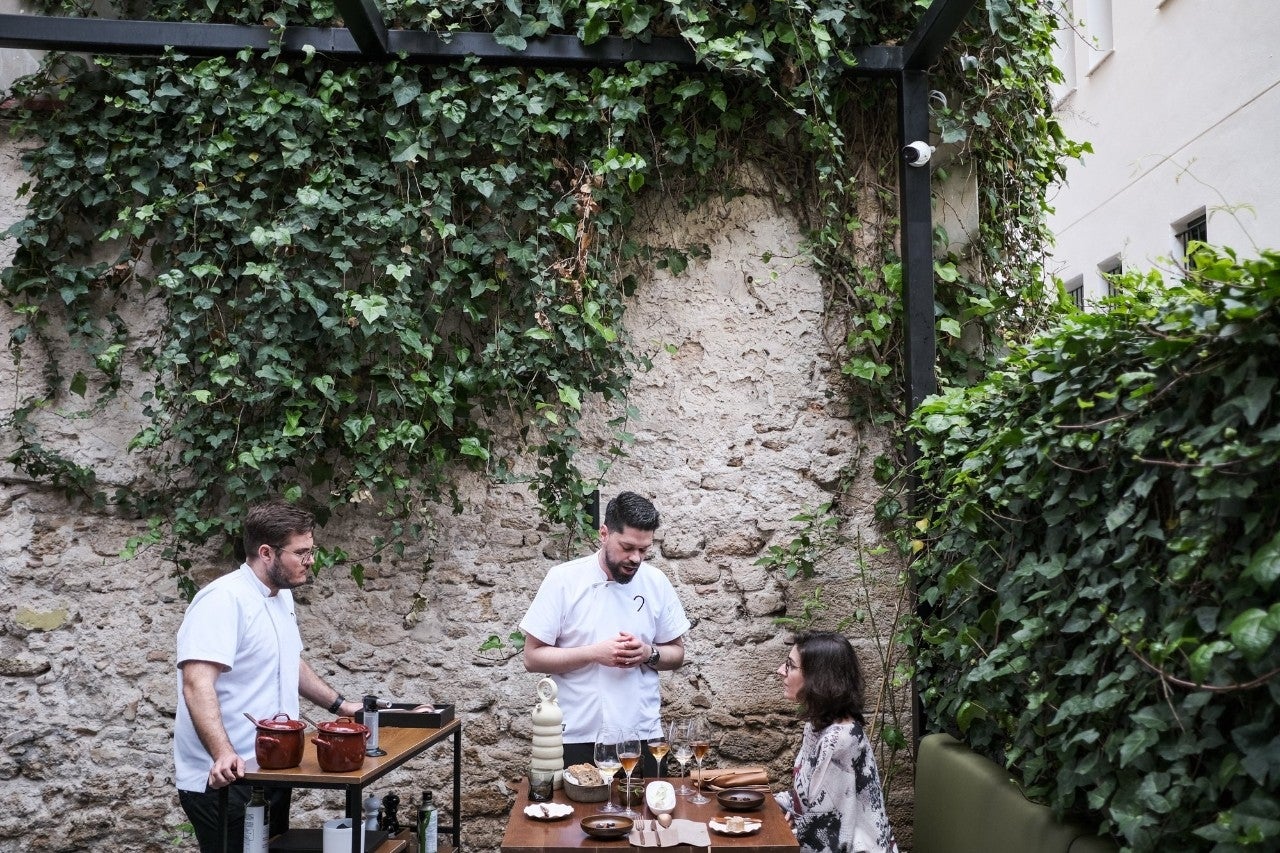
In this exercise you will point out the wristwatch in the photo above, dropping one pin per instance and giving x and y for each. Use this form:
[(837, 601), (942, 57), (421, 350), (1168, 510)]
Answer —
[(654, 657), (337, 703)]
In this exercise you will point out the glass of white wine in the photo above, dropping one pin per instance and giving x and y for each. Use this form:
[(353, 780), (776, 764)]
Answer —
[(682, 748), (629, 756), (607, 762), (700, 740)]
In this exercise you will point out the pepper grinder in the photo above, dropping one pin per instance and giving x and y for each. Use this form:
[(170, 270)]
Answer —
[(372, 811), (371, 723)]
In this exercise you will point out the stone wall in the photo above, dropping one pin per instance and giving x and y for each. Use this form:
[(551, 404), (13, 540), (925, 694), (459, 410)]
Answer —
[(740, 429)]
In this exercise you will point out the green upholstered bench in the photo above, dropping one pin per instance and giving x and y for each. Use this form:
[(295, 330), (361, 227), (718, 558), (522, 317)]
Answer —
[(965, 803)]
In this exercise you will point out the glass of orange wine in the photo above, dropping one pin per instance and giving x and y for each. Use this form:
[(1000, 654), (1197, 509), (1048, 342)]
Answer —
[(700, 740), (629, 756), (659, 746)]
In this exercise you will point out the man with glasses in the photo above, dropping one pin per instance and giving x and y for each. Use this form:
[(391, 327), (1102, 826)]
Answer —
[(603, 626), (240, 653)]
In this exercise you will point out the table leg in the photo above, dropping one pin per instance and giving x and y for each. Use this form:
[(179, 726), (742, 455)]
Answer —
[(355, 813)]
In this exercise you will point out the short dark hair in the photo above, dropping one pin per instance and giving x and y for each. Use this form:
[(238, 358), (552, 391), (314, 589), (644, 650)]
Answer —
[(630, 510), (274, 523), (832, 687)]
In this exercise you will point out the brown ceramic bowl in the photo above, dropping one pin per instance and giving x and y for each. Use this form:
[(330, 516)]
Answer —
[(740, 799), (606, 826)]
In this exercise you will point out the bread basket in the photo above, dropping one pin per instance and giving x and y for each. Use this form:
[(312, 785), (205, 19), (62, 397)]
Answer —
[(585, 793)]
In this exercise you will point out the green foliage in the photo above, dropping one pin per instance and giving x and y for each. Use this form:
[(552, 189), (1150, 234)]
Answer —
[(1103, 549), (371, 274)]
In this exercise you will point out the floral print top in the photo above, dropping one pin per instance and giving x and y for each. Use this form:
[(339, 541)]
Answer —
[(835, 804)]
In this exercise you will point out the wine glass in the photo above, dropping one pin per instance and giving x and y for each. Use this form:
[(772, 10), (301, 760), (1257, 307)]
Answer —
[(629, 756), (682, 749), (659, 746), (700, 740), (606, 759)]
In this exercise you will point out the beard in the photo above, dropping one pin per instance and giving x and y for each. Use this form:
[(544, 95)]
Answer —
[(614, 567), (280, 579)]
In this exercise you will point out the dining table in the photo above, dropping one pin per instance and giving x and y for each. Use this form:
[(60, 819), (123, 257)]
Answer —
[(526, 834)]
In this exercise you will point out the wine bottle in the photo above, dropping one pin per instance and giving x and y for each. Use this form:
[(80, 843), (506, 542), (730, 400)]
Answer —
[(428, 841), (255, 822)]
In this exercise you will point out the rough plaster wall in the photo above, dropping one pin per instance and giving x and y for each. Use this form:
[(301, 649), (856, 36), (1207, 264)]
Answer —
[(739, 431)]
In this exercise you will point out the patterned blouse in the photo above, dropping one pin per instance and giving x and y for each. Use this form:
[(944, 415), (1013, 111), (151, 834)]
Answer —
[(836, 804)]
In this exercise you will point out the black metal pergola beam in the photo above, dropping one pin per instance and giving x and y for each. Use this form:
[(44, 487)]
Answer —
[(366, 24), (146, 38), (143, 38), (936, 27)]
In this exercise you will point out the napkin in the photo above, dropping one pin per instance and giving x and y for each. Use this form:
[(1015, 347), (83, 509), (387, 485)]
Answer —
[(650, 833), (732, 777)]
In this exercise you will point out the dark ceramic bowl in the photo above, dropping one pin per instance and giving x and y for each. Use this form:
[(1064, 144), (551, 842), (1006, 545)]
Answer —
[(628, 796), (740, 799), (606, 826)]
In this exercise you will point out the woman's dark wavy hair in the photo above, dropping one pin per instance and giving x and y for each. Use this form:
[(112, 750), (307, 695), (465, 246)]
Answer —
[(832, 688)]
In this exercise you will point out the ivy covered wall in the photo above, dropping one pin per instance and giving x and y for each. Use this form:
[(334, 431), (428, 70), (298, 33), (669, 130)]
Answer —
[(1101, 558)]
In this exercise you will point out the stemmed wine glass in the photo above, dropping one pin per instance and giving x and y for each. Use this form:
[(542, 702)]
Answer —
[(682, 748), (606, 759), (700, 740), (629, 756), (659, 746)]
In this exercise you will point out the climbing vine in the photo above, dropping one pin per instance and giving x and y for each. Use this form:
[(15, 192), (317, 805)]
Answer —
[(340, 281), (1102, 560)]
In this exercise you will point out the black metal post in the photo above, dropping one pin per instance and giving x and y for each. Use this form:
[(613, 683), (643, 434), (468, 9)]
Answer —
[(914, 204)]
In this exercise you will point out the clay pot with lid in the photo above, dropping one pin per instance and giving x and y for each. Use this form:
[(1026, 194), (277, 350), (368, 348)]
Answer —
[(279, 743), (340, 745)]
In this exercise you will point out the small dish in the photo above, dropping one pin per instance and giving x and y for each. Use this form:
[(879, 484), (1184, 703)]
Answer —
[(606, 826), (740, 799), (548, 811), (721, 825)]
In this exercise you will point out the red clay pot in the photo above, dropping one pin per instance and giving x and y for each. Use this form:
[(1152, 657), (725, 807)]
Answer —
[(279, 743), (340, 745)]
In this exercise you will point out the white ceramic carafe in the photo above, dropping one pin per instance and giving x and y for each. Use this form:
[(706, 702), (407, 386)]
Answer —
[(548, 732)]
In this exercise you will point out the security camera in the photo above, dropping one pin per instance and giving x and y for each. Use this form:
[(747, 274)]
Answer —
[(917, 153)]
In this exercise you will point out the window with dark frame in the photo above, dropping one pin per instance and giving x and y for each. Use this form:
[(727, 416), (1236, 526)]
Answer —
[(1111, 270), (1195, 229), (1075, 290)]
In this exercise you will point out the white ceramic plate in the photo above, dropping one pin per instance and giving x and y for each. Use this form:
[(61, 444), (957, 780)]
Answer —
[(548, 811), (750, 825)]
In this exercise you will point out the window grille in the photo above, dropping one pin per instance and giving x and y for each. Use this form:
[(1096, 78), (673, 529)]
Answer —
[(1195, 229)]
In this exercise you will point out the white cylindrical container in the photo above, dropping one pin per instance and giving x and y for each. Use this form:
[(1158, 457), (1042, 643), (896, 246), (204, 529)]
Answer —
[(337, 836)]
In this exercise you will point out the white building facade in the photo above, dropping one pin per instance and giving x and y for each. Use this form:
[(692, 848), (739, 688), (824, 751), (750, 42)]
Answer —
[(1180, 100)]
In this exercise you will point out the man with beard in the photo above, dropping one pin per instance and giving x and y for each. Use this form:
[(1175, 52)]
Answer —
[(603, 626), (239, 652)]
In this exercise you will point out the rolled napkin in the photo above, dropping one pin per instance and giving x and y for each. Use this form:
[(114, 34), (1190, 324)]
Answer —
[(650, 833), (732, 777)]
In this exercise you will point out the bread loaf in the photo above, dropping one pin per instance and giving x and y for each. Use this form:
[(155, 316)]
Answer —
[(585, 775)]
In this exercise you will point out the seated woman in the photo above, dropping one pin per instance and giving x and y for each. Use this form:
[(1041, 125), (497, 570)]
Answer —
[(835, 804)]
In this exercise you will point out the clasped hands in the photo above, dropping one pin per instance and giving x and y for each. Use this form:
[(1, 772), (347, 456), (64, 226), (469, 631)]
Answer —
[(624, 651)]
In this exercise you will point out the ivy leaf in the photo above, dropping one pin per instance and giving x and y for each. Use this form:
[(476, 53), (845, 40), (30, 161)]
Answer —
[(371, 307), (79, 384), (570, 397), (1252, 633), (1264, 567), (471, 446)]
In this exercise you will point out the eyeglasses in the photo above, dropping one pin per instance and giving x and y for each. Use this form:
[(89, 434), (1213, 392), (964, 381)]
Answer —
[(789, 666), (303, 554)]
